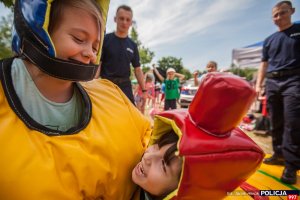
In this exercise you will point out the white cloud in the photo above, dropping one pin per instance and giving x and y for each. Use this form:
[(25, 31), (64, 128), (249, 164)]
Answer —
[(199, 30), (163, 22), (3, 10)]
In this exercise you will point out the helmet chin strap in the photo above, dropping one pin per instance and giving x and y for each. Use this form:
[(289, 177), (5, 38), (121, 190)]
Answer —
[(56, 67), (36, 51)]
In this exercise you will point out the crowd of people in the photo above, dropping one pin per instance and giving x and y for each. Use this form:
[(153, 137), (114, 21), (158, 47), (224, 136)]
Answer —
[(72, 127), (165, 94)]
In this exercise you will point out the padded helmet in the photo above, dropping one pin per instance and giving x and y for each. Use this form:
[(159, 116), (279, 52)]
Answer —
[(32, 40), (217, 155)]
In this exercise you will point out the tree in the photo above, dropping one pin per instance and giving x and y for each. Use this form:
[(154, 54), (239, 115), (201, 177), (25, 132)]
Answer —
[(146, 55), (165, 62), (8, 3), (186, 73), (244, 72), (5, 35), (134, 35)]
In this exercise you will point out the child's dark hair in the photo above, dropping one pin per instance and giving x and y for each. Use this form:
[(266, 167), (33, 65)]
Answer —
[(168, 138)]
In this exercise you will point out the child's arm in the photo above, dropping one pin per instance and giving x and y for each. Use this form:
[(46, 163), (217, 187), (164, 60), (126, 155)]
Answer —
[(138, 87), (180, 76), (196, 74), (161, 78)]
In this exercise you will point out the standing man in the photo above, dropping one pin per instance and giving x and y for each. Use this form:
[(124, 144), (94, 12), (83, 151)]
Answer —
[(119, 51), (281, 66)]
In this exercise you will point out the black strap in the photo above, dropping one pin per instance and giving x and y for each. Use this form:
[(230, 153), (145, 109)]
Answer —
[(16, 105), (287, 72), (36, 51), (118, 80), (58, 68)]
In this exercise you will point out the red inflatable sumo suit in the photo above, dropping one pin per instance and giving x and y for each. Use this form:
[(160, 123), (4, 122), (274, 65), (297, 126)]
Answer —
[(217, 155)]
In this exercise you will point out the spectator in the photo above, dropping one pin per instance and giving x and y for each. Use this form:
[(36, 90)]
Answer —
[(211, 66), (149, 86), (171, 87), (163, 89), (119, 51), (157, 93)]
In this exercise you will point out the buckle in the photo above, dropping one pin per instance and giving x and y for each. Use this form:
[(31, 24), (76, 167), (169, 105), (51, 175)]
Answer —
[(275, 73)]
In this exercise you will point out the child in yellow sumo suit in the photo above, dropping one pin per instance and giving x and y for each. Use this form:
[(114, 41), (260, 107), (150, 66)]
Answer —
[(200, 153), (62, 137)]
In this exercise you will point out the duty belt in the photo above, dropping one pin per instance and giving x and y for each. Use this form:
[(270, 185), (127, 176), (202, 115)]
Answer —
[(288, 72), (118, 81)]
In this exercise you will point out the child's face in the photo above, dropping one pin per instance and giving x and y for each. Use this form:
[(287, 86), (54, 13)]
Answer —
[(210, 67), (149, 80), (152, 173), (77, 38), (171, 75)]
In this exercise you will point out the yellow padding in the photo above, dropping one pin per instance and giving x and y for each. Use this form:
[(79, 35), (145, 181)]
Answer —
[(163, 125), (267, 177)]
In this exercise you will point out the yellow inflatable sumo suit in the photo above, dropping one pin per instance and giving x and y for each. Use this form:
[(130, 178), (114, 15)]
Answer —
[(90, 161)]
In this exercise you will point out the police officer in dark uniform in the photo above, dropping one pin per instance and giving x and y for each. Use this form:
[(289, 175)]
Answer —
[(119, 51), (281, 66)]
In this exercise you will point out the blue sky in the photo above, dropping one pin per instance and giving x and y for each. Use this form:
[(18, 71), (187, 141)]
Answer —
[(198, 30)]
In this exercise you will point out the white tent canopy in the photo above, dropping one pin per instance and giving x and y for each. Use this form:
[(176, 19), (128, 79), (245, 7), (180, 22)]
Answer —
[(249, 56)]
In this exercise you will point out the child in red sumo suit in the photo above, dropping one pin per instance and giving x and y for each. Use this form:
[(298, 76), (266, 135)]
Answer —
[(211, 155)]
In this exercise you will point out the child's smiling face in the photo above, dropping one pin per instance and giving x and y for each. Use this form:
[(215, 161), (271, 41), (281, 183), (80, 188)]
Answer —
[(154, 175), (77, 38)]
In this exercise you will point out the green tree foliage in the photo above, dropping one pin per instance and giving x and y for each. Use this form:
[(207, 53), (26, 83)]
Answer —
[(8, 3), (5, 35), (146, 55), (186, 73), (135, 36), (244, 72), (165, 62)]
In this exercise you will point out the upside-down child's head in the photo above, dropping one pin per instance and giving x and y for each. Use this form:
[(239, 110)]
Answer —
[(159, 171)]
